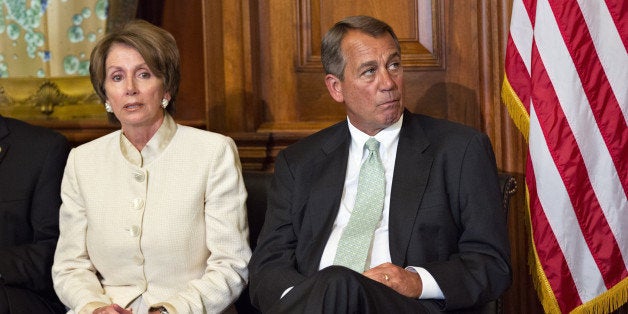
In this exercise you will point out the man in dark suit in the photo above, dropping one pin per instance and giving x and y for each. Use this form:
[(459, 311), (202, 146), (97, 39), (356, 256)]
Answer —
[(32, 160), (440, 242)]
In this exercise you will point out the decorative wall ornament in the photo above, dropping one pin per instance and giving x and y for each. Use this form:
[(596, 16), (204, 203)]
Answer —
[(61, 91), (49, 98)]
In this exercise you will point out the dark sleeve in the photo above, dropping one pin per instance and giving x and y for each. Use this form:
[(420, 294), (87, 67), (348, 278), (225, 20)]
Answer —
[(28, 265), (480, 269), (272, 268)]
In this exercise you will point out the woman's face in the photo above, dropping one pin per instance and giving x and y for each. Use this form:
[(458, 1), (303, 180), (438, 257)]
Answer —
[(132, 90)]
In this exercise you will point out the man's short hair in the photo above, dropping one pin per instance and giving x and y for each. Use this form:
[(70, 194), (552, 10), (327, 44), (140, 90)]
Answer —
[(332, 56)]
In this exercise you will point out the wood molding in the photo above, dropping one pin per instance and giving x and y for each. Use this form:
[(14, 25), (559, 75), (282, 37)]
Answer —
[(231, 65), (421, 45)]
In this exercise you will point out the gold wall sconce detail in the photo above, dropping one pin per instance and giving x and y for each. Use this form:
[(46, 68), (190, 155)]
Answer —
[(66, 98)]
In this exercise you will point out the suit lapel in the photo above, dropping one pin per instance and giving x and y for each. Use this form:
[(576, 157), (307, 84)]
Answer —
[(4, 136), (326, 191), (412, 168)]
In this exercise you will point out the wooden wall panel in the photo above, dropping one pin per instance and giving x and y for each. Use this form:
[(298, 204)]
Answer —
[(418, 31), (231, 78), (184, 21)]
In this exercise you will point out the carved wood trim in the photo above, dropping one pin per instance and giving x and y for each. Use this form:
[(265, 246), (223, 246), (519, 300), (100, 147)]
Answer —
[(422, 49)]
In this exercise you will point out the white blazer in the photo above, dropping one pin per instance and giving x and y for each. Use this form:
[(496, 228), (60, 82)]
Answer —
[(173, 231)]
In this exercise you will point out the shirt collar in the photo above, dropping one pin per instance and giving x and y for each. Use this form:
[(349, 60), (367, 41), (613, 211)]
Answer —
[(386, 137), (155, 146)]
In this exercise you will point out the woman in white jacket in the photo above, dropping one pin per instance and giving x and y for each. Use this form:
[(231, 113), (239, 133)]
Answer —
[(153, 218)]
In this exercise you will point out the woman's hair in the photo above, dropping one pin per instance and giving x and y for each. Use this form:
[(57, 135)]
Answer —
[(154, 44), (332, 56)]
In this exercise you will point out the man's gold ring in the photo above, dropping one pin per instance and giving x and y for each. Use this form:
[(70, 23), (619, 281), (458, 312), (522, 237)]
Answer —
[(386, 277)]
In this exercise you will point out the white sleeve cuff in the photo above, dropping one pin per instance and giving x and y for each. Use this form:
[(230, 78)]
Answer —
[(431, 290)]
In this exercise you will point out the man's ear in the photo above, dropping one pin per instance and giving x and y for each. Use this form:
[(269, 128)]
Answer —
[(334, 86)]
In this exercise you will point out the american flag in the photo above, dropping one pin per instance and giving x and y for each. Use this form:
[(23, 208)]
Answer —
[(566, 88)]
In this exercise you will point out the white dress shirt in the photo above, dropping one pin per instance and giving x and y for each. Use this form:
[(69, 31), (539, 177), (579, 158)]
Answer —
[(380, 249)]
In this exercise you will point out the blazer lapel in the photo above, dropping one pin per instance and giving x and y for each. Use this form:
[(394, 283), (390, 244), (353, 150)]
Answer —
[(412, 168), (326, 192)]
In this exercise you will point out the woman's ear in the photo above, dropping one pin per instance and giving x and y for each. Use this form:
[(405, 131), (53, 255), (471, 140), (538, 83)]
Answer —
[(334, 86)]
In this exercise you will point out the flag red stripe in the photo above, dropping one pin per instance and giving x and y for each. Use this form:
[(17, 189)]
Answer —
[(550, 255), (619, 14), (517, 74), (530, 6), (602, 100), (572, 169)]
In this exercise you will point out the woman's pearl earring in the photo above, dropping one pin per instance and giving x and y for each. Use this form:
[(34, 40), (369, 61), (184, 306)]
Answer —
[(164, 103), (108, 107)]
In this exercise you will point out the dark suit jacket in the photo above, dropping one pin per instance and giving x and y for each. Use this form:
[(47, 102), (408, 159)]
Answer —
[(32, 160), (445, 211)]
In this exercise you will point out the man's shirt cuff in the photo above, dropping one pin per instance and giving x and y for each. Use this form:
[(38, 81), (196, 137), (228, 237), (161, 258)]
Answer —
[(431, 290)]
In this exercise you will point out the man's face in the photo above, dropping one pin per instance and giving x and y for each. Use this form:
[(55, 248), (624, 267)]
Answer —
[(372, 85)]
